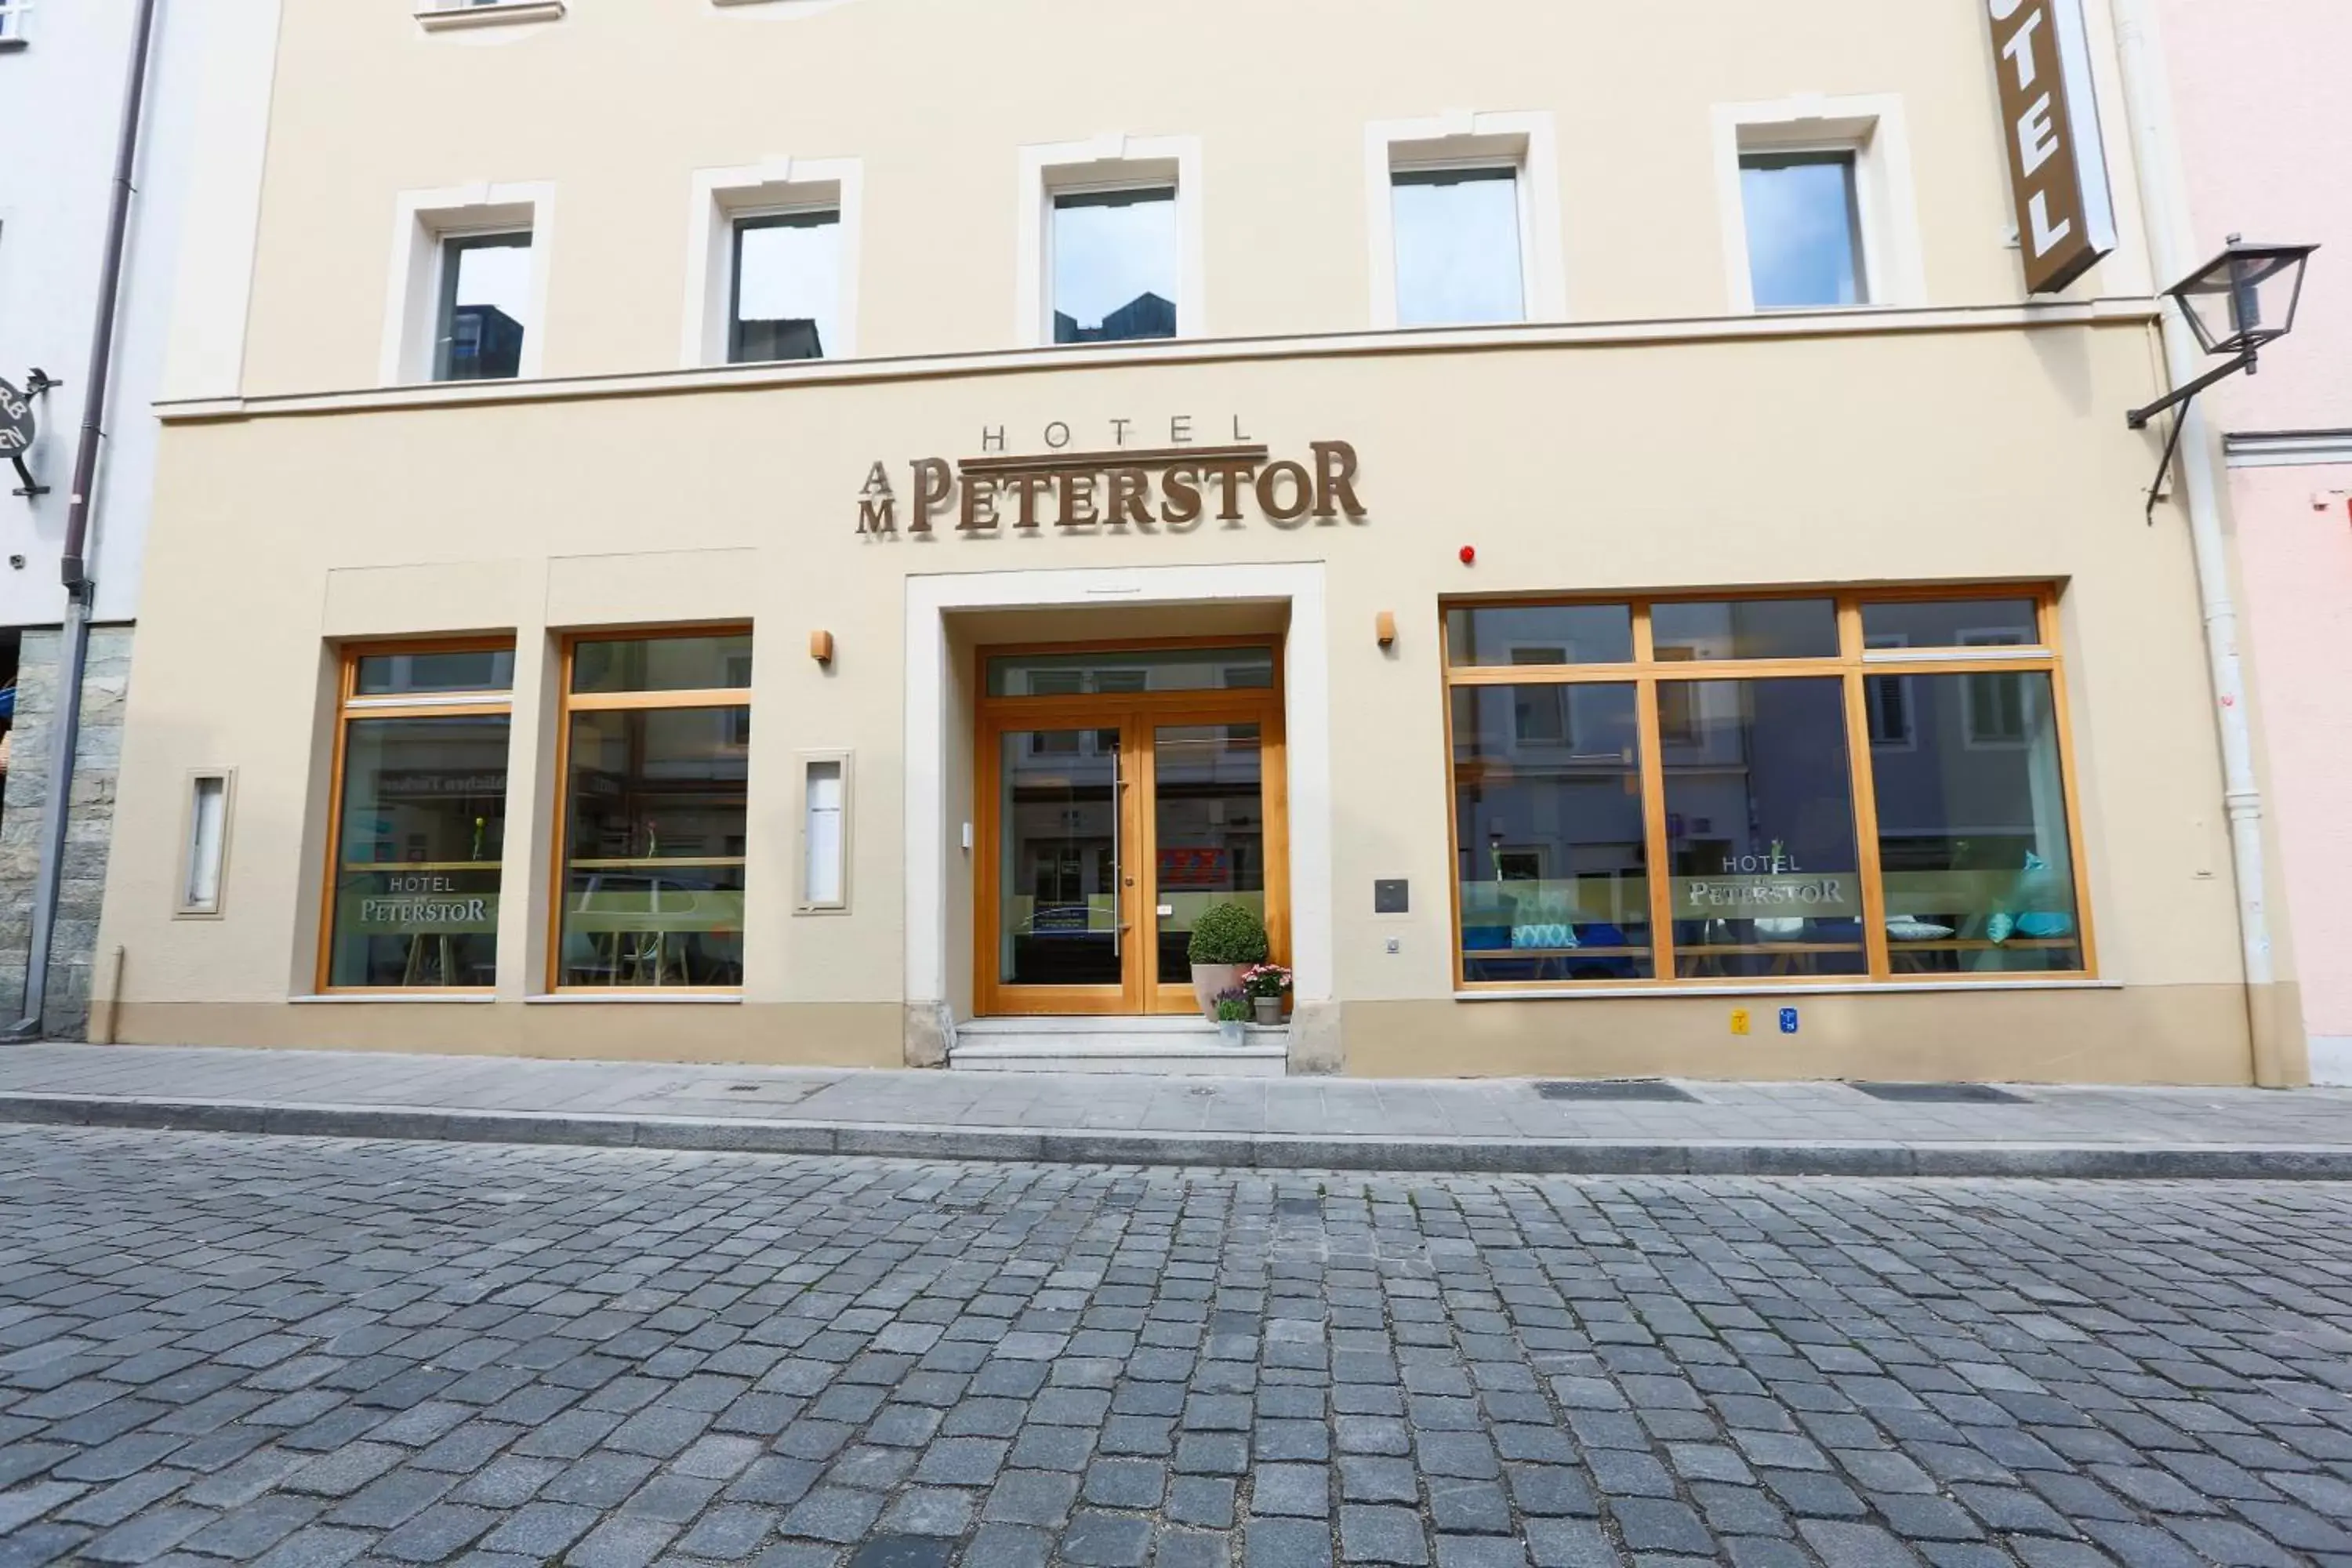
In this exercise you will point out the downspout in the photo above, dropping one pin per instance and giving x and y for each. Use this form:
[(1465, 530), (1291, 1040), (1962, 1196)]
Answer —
[(73, 642), (2172, 244)]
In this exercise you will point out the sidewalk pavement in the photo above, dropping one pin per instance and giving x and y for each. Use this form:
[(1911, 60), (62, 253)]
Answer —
[(1297, 1123)]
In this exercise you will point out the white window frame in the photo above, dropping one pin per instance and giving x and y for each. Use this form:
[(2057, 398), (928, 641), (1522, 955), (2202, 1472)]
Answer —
[(412, 305), (774, 186), (184, 907), (1903, 695), (12, 22), (803, 762), (1522, 142), (1873, 129), (2003, 639), (1110, 162), (451, 15)]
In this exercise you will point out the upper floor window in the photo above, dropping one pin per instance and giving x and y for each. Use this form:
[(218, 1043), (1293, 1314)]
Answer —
[(467, 284), (485, 302), (1804, 229), (1462, 211), (1818, 207), (787, 287), (1457, 245), (1114, 265), (12, 23), (1111, 247)]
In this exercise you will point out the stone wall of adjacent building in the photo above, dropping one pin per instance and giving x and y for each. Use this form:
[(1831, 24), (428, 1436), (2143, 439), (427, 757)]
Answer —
[(106, 684)]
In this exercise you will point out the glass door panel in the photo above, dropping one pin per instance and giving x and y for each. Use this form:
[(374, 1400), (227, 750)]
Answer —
[(1059, 815), (1208, 815)]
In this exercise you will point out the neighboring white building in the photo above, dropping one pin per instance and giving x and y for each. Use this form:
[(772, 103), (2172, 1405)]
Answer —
[(64, 74)]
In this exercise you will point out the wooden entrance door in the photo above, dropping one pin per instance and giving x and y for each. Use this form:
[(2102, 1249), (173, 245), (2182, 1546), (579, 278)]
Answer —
[(1109, 820)]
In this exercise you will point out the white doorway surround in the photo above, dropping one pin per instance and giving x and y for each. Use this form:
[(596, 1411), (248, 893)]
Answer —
[(932, 838)]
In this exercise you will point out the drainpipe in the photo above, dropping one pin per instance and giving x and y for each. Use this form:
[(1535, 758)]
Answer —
[(2172, 242), (73, 642)]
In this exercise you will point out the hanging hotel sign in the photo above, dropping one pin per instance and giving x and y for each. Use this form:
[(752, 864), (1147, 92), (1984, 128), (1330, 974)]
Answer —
[(2050, 122), (1134, 485)]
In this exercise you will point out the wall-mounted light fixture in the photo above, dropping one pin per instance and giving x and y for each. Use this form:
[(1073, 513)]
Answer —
[(2236, 303), (821, 646), (1384, 627)]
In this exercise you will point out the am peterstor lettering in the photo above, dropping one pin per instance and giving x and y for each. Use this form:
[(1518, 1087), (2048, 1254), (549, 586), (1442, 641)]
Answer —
[(1175, 489)]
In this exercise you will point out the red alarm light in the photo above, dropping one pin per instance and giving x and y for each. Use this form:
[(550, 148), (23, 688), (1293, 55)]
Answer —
[(1469, 555)]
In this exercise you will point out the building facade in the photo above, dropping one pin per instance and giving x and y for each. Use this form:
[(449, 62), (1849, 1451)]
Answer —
[(2262, 155), (64, 76), (847, 561)]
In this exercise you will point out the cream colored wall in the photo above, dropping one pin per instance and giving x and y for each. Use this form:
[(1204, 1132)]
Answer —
[(936, 98), (1892, 456)]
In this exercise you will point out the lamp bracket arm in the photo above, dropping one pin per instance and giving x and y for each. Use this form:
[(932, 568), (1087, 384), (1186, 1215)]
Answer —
[(2138, 418)]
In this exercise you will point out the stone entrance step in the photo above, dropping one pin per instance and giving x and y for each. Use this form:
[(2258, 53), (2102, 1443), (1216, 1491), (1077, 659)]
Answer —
[(1170, 1047)]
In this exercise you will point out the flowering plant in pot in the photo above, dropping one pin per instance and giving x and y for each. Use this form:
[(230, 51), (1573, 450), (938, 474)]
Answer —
[(1232, 1005), (1227, 940), (1267, 984)]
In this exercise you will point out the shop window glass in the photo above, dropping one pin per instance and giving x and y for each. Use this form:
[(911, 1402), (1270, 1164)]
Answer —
[(1539, 634), (1974, 854), (663, 664), (1114, 266), (1098, 671), (421, 830), (1804, 229), (461, 670), (485, 307), (1745, 629), (655, 836), (1950, 623), (1457, 247), (787, 287), (1759, 829), (1752, 855), (1553, 872)]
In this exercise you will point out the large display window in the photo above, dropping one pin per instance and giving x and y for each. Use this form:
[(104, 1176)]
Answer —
[(1794, 787), (419, 826), (656, 771)]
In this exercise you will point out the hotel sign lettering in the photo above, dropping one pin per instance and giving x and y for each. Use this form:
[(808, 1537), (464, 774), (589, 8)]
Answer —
[(2050, 122), (1134, 485)]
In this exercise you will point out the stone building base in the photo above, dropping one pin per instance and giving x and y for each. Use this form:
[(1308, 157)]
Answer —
[(106, 684)]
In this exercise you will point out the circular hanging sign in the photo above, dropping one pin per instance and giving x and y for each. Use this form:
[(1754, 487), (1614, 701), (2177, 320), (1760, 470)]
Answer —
[(16, 429)]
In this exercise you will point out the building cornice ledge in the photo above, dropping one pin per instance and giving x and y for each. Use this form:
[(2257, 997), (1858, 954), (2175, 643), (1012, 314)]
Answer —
[(436, 18), (1533, 336)]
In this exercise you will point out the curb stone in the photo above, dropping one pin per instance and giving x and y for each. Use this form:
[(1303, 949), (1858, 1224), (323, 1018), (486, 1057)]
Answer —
[(1244, 1151)]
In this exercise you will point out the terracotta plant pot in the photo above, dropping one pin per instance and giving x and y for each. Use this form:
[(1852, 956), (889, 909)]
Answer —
[(1208, 979)]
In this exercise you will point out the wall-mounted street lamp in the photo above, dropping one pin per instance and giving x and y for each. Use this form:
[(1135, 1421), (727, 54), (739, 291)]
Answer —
[(2236, 303)]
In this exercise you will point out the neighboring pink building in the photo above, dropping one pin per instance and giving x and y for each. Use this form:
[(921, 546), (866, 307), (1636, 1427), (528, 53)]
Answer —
[(2265, 142)]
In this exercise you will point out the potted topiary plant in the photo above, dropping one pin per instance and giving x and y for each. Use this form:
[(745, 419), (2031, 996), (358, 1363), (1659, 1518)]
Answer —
[(1227, 940)]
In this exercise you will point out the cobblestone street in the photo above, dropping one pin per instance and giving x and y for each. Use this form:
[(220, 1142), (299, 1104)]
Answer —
[(309, 1352)]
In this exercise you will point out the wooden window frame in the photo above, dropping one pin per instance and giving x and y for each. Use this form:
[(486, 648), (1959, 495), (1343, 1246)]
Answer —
[(1851, 664), (350, 705), (569, 703)]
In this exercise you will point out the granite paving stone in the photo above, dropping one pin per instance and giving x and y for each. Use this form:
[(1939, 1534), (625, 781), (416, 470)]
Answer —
[(308, 1354)]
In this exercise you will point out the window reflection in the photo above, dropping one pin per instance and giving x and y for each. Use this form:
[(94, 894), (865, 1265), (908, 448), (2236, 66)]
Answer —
[(653, 857), (1548, 821), (1457, 247), (787, 287), (422, 825), (1759, 827), (485, 304), (1114, 266), (1973, 850), (1804, 229)]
